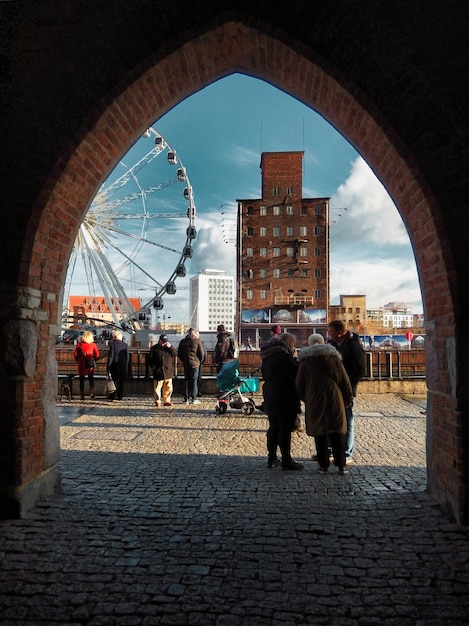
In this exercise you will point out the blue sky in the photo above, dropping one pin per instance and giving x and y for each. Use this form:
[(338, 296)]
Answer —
[(219, 134)]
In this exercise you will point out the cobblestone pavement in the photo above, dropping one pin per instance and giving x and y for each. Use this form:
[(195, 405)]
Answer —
[(170, 516)]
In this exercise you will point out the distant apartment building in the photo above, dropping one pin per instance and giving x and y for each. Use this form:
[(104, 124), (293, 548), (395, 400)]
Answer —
[(211, 297), (282, 254), (398, 315), (352, 311)]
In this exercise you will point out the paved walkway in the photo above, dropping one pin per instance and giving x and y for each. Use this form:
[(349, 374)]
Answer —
[(170, 516)]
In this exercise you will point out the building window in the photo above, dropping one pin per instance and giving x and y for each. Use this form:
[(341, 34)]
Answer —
[(276, 252), (249, 252), (289, 210), (317, 209), (249, 274), (290, 273), (317, 273), (263, 273), (276, 273), (289, 191), (317, 293), (249, 294), (263, 252), (303, 272), (276, 191), (290, 252), (250, 210), (290, 231), (263, 294), (303, 231), (303, 251), (263, 231), (276, 231), (304, 210), (317, 251), (276, 210), (250, 231), (262, 211)]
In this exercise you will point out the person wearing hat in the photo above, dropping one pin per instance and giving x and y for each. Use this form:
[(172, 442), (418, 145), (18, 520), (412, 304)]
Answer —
[(324, 386), (275, 332), (161, 360)]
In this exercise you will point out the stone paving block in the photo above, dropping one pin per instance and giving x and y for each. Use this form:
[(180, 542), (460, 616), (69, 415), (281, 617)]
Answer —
[(185, 524)]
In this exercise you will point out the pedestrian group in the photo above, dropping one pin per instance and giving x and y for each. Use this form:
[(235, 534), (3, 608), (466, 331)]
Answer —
[(324, 376)]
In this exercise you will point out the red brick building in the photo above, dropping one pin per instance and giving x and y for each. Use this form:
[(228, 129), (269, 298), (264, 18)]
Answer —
[(283, 254)]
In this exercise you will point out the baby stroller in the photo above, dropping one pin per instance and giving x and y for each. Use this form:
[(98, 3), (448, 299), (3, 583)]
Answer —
[(232, 388)]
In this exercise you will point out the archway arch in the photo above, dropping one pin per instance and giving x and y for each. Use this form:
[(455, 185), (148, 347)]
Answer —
[(234, 47)]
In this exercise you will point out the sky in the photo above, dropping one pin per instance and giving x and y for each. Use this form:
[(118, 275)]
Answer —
[(218, 135)]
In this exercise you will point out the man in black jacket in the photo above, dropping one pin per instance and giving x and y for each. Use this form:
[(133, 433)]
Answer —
[(192, 354), (225, 347), (353, 358), (161, 360)]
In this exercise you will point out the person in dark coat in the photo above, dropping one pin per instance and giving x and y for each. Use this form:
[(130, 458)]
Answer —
[(85, 354), (225, 348), (324, 386), (191, 353), (118, 363), (353, 358), (161, 360), (281, 402)]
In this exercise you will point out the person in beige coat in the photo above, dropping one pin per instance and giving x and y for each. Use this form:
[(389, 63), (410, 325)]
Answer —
[(324, 386)]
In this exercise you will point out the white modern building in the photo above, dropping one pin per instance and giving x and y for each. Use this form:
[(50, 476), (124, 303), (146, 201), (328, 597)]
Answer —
[(398, 315), (211, 300)]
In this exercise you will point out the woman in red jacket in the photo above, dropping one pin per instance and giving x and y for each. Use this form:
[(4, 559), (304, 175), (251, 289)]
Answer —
[(85, 355)]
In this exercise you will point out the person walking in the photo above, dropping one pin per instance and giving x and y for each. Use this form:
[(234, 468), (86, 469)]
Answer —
[(86, 354), (324, 386), (225, 348), (248, 344), (118, 363), (161, 360), (353, 359), (191, 354), (281, 402)]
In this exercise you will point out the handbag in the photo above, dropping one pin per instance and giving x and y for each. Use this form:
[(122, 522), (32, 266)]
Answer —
[(110, 385), (90, 362)]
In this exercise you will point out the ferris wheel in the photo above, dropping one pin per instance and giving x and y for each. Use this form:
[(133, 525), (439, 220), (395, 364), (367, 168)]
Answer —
[(135, 238)]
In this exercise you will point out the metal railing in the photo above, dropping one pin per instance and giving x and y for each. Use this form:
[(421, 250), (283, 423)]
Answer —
[(380, 364)]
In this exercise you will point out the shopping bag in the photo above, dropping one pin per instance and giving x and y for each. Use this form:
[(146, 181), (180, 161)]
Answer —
[(110, 385)]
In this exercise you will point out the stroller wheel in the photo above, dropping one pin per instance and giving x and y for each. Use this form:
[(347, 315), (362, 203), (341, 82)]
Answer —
[(221, 408), (248, 408)]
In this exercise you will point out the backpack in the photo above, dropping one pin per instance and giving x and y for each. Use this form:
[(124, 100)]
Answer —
[(225, 349)]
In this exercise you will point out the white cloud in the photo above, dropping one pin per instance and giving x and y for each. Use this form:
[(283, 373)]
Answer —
[(241, 156), (370, 248), (371, 214)]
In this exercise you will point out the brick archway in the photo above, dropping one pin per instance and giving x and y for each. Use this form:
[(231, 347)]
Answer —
[(233, 47)]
